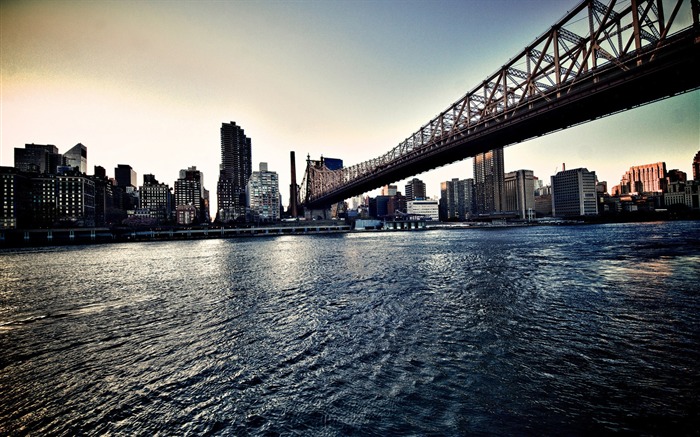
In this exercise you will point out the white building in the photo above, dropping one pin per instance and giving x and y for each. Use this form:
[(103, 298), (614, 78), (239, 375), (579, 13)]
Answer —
[(264, 195), (428, 208)]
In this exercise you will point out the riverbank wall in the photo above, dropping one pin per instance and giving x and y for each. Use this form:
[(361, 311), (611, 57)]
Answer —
[(58, 237)]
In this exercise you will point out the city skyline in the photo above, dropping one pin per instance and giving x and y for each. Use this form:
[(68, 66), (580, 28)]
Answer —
[(332, 79)]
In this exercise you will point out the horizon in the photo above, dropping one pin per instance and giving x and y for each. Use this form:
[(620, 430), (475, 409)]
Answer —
[(151, 90)]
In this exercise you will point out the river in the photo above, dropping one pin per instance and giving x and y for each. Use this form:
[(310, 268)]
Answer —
[(556, 330)]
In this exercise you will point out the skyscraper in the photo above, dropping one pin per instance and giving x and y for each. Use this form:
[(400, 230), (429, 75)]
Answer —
[(696, 167), (234, 172), (76, 158), (264, 195), (488, 181), (448, 200)]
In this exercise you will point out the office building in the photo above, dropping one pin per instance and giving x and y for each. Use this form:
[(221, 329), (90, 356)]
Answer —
[(682, 192), (38, 158), (397, 204), (449, 200), (428, 209), (415, 190), (156, 198), (650, 178), (105, 212), (574, 193), (263, 195), (76, 158), (234, 173), (696, 167), (189, 190), (543, 205), (488, 181), (44, 198), (519, 190), (125, 176), (15, 199), (75, 200), (456, 199)]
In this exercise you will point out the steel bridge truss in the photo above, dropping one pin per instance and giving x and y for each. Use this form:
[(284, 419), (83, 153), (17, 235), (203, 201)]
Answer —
[(591, 37)]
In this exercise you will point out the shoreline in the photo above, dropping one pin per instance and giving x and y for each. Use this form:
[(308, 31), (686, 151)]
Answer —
[(21, 238), (82, 236)]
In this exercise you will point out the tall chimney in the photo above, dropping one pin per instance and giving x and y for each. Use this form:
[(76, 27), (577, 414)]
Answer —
[(563, 166), (293, 188)]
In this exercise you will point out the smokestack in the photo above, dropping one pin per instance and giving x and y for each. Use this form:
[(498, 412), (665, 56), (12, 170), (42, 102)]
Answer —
[(293, 189), (563, 166)]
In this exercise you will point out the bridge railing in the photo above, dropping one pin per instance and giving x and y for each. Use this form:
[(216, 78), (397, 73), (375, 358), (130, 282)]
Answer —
[(591, 37)]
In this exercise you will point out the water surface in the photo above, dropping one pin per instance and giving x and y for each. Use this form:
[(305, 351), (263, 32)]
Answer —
[(527, 331)]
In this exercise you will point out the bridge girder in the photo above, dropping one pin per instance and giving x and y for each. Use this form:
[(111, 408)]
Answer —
[(628, 56)]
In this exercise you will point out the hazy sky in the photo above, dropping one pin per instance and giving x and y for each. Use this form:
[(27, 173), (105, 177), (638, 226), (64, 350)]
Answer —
[(149, 83)]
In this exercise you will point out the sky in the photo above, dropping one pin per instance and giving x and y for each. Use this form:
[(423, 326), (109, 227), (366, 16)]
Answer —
[(149, 84)]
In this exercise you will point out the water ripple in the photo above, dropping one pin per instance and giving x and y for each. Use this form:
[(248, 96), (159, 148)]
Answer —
[(573, 330)]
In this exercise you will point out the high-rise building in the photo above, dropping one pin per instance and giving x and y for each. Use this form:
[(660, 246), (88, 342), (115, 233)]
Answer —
[(125, 192), (105, 212), (76, 158), (15, 199), (488, 181), (264, 195), (125, 176), (696, 167), (574, 193), (519, 188), (448, 200), (189, 190), (466, 198), (44, 198), (156, 198), (234, 172), (649, 178), (415, 189), (397, 204), (38, 158), (456, 199), (379, 206), (75, 200)]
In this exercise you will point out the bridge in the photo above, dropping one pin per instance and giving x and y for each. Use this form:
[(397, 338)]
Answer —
[(599, 59)]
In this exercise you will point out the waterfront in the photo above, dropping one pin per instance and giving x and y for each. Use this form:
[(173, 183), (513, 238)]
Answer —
[(541, 330)]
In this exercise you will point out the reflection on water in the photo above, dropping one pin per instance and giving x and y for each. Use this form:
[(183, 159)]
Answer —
[(562, 330)]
